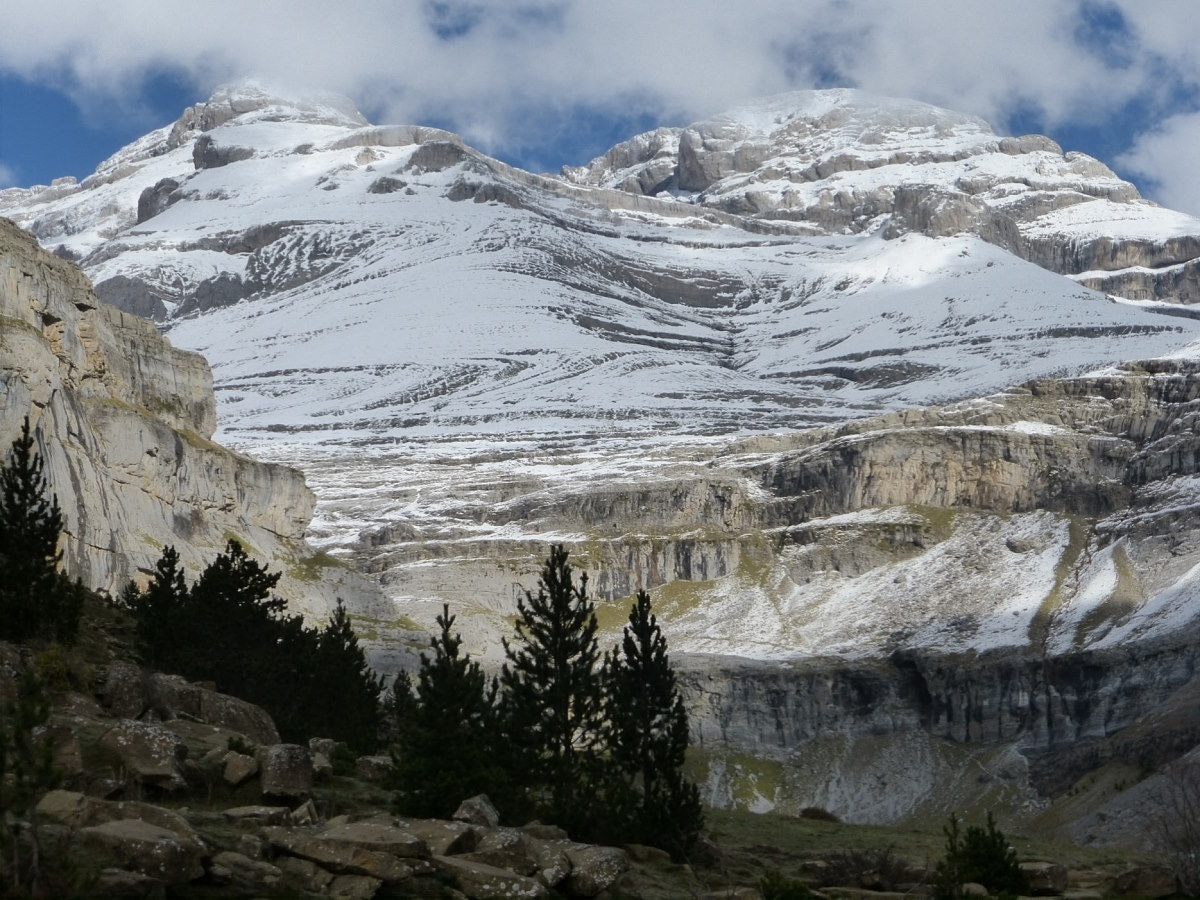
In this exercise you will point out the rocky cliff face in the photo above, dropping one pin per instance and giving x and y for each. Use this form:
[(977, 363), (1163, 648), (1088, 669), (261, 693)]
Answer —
[(124, 422), (844, 161)]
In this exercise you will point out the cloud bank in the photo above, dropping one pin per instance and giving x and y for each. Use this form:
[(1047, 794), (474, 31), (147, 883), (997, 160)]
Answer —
[(512, 75)]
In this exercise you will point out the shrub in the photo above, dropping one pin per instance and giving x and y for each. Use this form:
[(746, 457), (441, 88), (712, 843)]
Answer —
[(982, 856)]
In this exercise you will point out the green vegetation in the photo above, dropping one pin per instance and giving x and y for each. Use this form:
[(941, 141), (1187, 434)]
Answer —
[(1067, 565), (228, 629), (646, 733), (310, 568), (551, 709), (597, 749), (37, 601), (447, 733), (980, 856)]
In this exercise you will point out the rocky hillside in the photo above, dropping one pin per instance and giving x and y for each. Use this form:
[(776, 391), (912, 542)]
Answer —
[(844, 161), (716, 362), (125, 424)]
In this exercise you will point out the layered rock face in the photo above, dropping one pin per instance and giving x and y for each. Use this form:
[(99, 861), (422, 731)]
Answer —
[(124, 422), (845, 161)]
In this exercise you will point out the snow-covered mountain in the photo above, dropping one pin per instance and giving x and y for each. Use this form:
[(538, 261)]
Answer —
[(470, 361), (813, 257)]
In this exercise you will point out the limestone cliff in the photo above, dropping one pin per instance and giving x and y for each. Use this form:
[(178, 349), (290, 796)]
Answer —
[(124, 422)]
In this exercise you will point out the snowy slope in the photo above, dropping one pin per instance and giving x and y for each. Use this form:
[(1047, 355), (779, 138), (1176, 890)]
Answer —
[(346, 289)]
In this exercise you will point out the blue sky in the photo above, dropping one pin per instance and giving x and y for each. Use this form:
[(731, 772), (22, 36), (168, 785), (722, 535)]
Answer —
[(543, 83)]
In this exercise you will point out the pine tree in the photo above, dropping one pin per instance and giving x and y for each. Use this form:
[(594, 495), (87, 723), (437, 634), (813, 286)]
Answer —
[(36, 600), (551, 709), (27, 771), (397, 707), (344, 700), (161, 612), (446, 743), (647, 734)]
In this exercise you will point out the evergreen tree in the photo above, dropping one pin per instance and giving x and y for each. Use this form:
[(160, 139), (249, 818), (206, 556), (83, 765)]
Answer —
[(551, 709), (229, 629), (36, 600), (160, 613), (397, 706), (27, 772), (344, 700), (446, 744), (646, 727)]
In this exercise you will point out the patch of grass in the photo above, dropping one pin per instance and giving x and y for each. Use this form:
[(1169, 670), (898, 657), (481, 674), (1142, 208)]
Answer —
[(1125, 598), (310, 568), (1039, 627), (250, 549)]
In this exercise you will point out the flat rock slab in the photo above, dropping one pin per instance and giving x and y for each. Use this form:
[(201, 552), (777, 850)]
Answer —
[(376, 836), (149, 849), (264, 815), (337, 856), (443, 838), (483, 882)]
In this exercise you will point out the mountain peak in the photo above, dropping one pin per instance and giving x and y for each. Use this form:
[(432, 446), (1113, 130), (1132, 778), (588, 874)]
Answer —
[(255, 100), (836, 106)]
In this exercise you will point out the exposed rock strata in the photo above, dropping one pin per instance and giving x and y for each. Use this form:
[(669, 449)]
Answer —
[(124, 422)]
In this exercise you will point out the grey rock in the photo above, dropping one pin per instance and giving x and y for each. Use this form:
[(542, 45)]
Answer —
[(239, 768), (266, 815), (244, 874), (376, 836), (149, 849), (150, 753), (594, 869), (483, 882), (339, 856), (154, 200), (478, 810), (373, 768), (208, 154), (287, 772)]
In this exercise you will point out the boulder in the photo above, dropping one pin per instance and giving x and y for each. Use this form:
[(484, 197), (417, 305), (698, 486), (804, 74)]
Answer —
[(322, 767), (1045, 879), (148, 849), (377, 836), (478, 810), (338, 856), (149, 753), (354, 887), (131, 693), (287, 772), (506, 848), (77, 810), (304, 814), (207, 154), (373, 768), (1145, 881), (483, 882), (245, 875), (441, 837), (113, 882), (266, 815), (305, 874), (322, 745), (239, 768), (593, 869)]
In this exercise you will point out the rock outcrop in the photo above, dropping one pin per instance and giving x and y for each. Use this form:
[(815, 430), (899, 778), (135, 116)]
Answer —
[(846, 161), (124, 422)]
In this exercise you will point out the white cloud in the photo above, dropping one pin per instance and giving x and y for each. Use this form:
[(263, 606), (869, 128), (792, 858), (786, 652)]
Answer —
[(519, 67), (7, 176), (1166, 157)]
